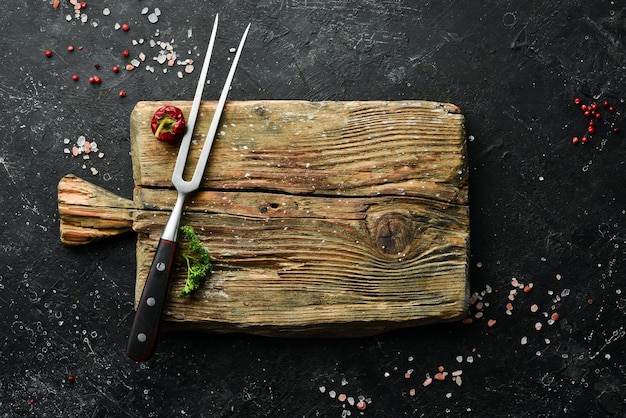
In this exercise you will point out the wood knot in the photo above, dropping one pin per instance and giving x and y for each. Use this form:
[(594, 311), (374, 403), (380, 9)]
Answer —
[(393, 233)]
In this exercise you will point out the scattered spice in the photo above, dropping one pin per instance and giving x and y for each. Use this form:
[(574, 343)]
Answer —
[(125, 27), (75, 77), (592, 112), (48, 53), (122, 93)]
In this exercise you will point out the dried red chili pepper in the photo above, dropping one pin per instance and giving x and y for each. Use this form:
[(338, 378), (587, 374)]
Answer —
[(168, 124)]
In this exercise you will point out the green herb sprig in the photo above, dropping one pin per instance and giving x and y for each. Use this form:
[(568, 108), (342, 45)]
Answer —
[(198, 262)]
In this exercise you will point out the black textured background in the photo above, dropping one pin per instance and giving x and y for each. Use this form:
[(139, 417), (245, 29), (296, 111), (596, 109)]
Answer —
[(543, 210)]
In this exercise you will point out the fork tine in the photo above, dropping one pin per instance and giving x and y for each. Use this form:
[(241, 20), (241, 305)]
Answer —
[(210, 136), (177, 175)]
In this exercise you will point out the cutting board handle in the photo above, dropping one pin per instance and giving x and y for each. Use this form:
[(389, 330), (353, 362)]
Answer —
[(88, 212)]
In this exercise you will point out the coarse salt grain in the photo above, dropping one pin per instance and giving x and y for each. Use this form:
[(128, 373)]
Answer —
[(440, 376), (427, 381), (534, 307), (524, 340), (538, 326)]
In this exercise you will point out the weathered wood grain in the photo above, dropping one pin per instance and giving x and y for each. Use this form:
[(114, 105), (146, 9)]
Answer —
[(408, 148), (322, 218), (330, 218)]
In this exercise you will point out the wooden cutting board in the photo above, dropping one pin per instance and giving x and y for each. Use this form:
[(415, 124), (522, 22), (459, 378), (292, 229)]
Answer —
[(322, 218)]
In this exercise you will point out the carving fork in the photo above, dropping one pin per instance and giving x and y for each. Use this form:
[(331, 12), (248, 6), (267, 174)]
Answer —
[(145, 328)]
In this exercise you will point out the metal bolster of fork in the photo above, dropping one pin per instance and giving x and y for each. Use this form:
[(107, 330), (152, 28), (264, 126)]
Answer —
[(170, 232)]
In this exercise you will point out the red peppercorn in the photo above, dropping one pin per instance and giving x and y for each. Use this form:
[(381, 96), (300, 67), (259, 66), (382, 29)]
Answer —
[(584, 140), (125, 53), (611, 109), (616, 130), (587, 113), (125, 27), (70, 48), (92, 80), (577, 100), (598, 115), (75, 77), (122, 93), (591, 129), (594, 106), (116, 69), (575, 140), (605, 103), (48, 53), (97, 79), (71, 378), (83, 4), (583, 107)]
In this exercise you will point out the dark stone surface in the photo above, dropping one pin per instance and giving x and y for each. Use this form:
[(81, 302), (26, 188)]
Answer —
[(543, 210)]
